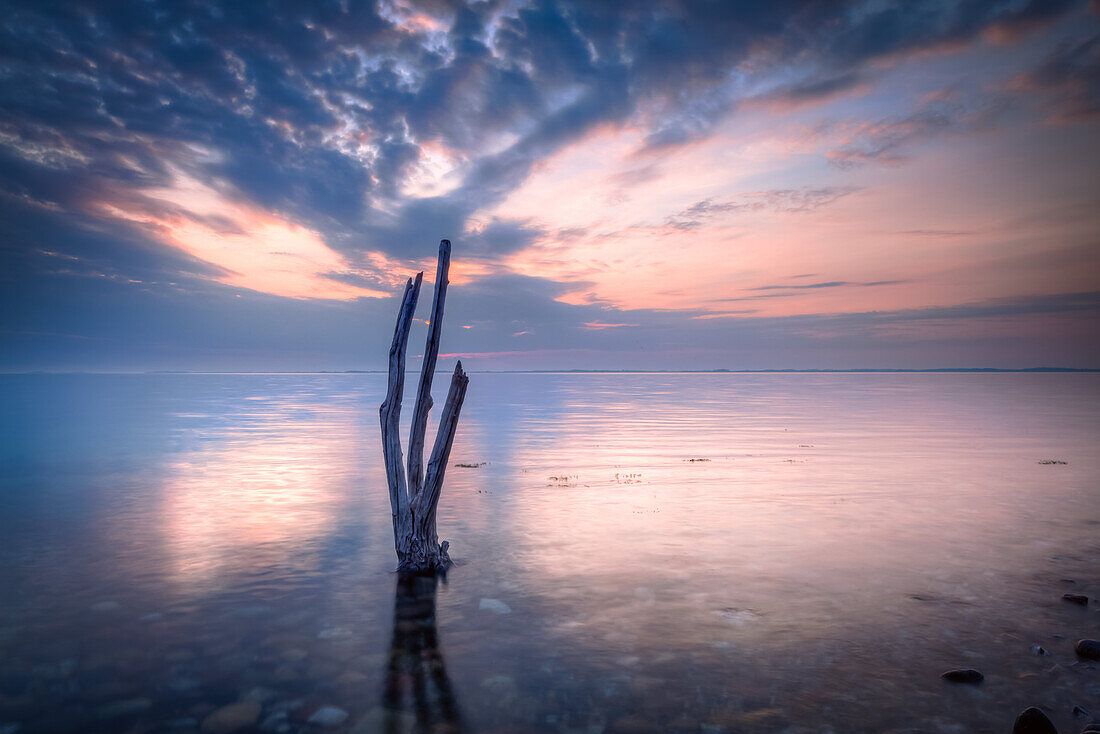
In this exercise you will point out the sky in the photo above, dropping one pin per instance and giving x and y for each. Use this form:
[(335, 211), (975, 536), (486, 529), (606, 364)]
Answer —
[(765, 184)]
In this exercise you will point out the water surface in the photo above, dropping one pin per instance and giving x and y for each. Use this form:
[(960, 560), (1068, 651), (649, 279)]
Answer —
[(637, 552)]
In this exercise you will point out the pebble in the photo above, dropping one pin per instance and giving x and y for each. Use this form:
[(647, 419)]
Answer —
[(1088, 649), (186, 722), (379, 719), (1033, 721), (231, 718), (1076, 599), (126, 707), (328, 716), (494, 605), (499, 685), (276, 722), (963, 675), (1039, 650), (635, 725), (182, 684), (261, 694)]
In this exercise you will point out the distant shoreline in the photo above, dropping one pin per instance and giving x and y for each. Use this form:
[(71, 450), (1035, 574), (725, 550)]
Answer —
[(854, 370)]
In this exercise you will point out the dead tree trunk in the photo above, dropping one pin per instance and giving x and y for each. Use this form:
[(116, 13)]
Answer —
[(414, 502)]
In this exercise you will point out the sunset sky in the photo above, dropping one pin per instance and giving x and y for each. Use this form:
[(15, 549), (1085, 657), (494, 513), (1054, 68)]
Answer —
[(742, 185)]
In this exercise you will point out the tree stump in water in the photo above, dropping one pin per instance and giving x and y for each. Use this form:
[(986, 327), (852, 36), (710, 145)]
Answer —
[(413, 501)]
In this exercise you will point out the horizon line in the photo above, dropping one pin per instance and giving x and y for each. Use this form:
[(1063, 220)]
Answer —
[(719, 370)]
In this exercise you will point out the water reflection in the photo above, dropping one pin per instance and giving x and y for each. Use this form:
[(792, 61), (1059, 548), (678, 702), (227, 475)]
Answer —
[(176, 544), (416, 678), (260, 484)]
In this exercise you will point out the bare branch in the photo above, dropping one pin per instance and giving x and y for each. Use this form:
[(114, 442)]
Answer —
[(428, 499), (427, 372), (390, 410)]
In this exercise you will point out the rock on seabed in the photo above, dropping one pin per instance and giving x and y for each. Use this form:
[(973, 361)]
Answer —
[(963, 675), (231, 718), (1088, 649), (328, 716), (1033, 721), (494, 605)]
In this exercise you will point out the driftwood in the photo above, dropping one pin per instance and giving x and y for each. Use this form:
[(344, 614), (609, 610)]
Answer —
[(413, 500)]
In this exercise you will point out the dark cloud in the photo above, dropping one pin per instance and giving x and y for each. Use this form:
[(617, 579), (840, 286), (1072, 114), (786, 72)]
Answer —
[(1068, 80)]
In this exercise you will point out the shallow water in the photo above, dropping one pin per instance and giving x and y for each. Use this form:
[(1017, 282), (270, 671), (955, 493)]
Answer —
[(176, 543)]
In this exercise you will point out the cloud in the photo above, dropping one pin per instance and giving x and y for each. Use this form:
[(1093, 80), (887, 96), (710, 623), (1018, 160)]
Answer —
[(776, 200), (599, 325), (1068, 80), (186, 154), (250, 248)]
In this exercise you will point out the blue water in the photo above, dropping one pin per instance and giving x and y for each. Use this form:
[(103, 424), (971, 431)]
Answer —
[(662, 552)]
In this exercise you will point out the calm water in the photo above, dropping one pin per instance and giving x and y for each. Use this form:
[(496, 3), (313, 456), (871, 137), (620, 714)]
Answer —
[(172, 544)]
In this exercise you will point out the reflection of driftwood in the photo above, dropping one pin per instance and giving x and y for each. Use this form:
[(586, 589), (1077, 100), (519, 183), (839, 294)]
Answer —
[(414, 503), (417, 678)]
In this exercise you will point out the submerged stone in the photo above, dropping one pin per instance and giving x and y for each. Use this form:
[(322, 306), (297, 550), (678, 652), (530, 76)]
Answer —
[(1033, 721), (494, 605), (635, 725), (380, 719), (1076, 599), (328, 716), (963, 675), (126, 707), (1088, 649), (231, 718)]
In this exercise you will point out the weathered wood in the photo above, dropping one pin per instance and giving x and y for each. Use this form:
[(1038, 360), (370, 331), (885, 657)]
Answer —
[(413, 501), (428, 499), (390, 416), (427, 372)]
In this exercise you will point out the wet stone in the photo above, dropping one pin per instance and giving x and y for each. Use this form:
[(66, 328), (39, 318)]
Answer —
[(634, 725), (494, 605), (276, 722), (1088, 649), (1033, 721), (231, 718), (125, 707), (1080, 599), (328, 716), (963, 675), (380, 719), (261, 694)]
